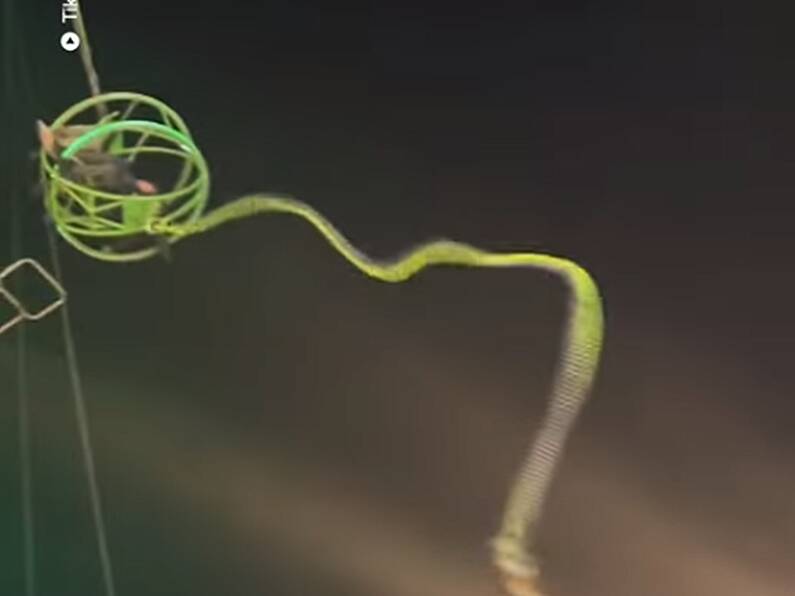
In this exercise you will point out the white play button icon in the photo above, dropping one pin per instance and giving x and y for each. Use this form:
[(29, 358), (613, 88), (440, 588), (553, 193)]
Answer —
[(70, 41)]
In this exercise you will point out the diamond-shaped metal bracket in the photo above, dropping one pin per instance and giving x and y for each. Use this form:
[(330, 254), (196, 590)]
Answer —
[(23, 314)]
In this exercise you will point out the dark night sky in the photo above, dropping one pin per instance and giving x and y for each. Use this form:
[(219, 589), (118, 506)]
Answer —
[(654, 146)]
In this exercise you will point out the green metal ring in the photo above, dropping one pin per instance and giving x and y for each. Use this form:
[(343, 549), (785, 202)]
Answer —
[(98, 223)]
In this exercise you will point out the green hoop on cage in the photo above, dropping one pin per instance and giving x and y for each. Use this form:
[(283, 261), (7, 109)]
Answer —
[(115, 227)]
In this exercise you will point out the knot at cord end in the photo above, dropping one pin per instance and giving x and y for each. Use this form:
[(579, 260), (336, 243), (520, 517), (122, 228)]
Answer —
[(519, 571)]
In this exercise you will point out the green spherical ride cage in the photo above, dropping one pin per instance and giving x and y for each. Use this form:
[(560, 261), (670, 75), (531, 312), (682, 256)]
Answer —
[(115, 227)]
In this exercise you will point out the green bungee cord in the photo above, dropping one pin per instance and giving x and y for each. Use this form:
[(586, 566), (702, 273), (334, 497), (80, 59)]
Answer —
[(513, 545), (101, 225)]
